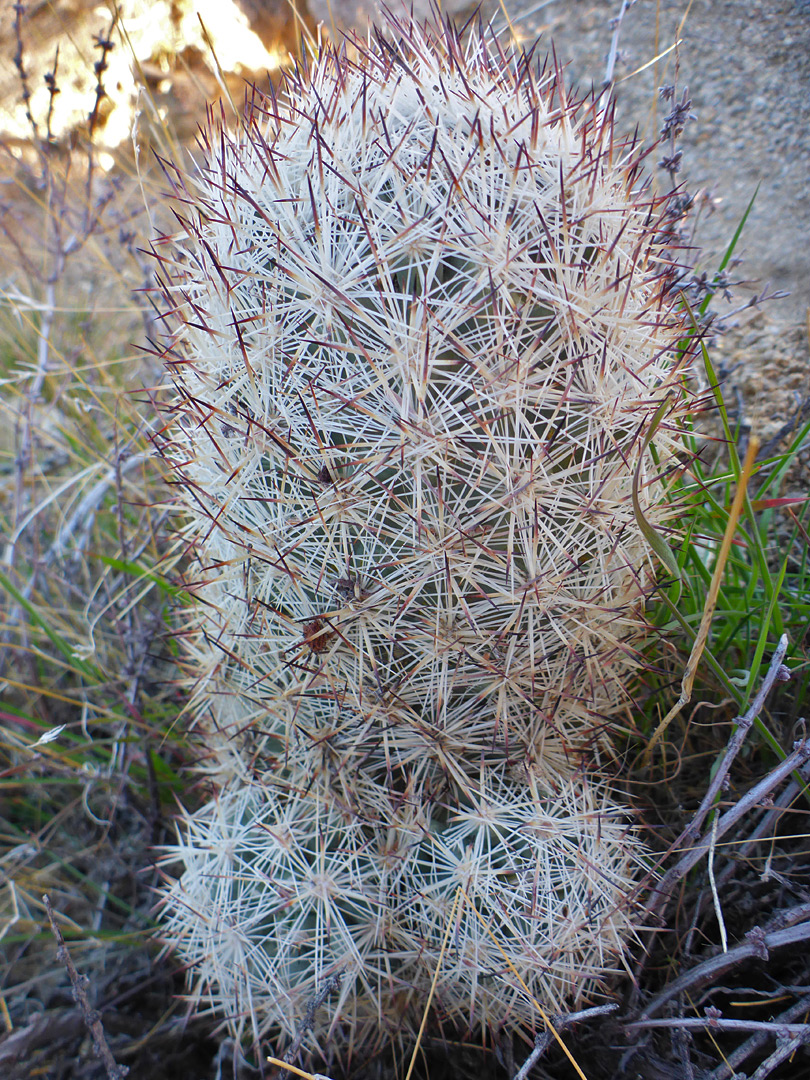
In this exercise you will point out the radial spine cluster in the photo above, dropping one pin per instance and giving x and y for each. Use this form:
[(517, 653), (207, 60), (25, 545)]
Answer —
[(421, 322)]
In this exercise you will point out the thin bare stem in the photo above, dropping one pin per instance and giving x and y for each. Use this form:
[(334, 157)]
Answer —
[(758, 944), (614, 41), (543, 1041), (711, 599), (785, 1050), (330, 986), (720, 1023), (764, 826), (726, 1070), (795, 760), (741, 725), (740, 728), (91, 1016)]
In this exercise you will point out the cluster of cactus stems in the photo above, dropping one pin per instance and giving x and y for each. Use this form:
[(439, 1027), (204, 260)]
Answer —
[(420, 326)]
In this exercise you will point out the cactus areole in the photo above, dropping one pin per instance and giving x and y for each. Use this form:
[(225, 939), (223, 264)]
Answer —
[(421, 320)]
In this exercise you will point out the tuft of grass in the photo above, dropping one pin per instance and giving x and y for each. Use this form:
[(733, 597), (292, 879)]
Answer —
[(764, 590), (729, 606)]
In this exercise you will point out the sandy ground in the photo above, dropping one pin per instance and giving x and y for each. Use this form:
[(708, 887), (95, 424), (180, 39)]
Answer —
[(747, 69)]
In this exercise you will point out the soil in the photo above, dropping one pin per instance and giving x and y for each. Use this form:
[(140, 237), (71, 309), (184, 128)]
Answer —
[(747, 70)]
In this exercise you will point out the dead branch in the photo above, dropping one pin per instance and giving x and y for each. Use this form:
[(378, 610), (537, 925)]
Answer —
[(691, 834), (726, 1070), (559, 1023), (797, 760), (792, 929), (741, 725), (91, 1016), (782, 1052), (330, 986), (720, 1023)]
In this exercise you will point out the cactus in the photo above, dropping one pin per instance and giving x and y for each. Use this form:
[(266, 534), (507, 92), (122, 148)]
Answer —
[(279, 894), (421, 327), (286, 890)]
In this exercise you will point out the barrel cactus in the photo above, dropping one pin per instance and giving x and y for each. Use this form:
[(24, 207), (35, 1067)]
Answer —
[(421, 326)]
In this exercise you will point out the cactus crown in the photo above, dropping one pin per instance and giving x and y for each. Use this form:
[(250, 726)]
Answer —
[(422, 322)]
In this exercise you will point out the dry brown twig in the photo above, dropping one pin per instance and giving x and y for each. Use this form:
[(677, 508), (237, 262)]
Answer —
[(764, 828), (544, 1040), (330, 986), (798, 759), (613, 54), (702, 637), (783, 1051), (726, 1070), (68, 230), (690, 837), (91, 1016), (714, 1020), (787, 928)]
